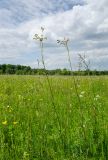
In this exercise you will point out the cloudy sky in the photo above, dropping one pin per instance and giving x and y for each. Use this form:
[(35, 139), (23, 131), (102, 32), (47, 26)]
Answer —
[(84, 22)]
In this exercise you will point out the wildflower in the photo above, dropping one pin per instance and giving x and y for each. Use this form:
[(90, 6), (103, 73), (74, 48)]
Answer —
[(25, 155), (82, 92), (41, 37), (80, 95), (97, 97), (9, 108), (83, 125), (4, 122), (63, 42), (15, 122)]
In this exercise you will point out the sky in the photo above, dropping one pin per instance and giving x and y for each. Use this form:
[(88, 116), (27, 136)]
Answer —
[(84, 22)]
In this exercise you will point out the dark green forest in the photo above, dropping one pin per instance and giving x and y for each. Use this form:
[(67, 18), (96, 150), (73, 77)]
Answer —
[(27, 70)]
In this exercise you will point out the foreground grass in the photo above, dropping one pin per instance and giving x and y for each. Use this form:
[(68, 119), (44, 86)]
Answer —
[(29, 128)]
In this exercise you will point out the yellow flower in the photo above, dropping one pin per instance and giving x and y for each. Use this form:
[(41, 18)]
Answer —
[(15, 123), (4, 122)]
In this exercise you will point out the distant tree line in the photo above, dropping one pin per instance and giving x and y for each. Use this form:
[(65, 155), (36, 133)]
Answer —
[(27, 70)]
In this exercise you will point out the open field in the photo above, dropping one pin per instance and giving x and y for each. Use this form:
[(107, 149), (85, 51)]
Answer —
[(57, 123)]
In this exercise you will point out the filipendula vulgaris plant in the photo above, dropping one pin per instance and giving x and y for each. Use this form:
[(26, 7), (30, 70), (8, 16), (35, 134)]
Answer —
[(86, 64), (64, 43), (41, 38), (95, 117)]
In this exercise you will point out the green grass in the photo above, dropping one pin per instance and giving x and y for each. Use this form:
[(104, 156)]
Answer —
[(30, 128)]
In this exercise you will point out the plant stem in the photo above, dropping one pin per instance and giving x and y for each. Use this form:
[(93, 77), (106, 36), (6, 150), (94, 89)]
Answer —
[(76, 88), (50, 87)]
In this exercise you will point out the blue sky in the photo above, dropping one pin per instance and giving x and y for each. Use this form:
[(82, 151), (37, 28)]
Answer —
[(84, 22)]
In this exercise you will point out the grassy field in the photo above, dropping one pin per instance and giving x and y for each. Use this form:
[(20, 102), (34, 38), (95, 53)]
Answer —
[(57, 123)]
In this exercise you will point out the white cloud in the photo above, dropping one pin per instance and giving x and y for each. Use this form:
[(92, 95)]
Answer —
[(86, 25)]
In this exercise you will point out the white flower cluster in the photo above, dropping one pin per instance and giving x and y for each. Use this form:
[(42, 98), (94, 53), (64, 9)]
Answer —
[(97, 97), (82, 94)]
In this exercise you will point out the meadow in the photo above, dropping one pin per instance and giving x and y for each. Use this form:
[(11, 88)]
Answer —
[(58, 123)]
